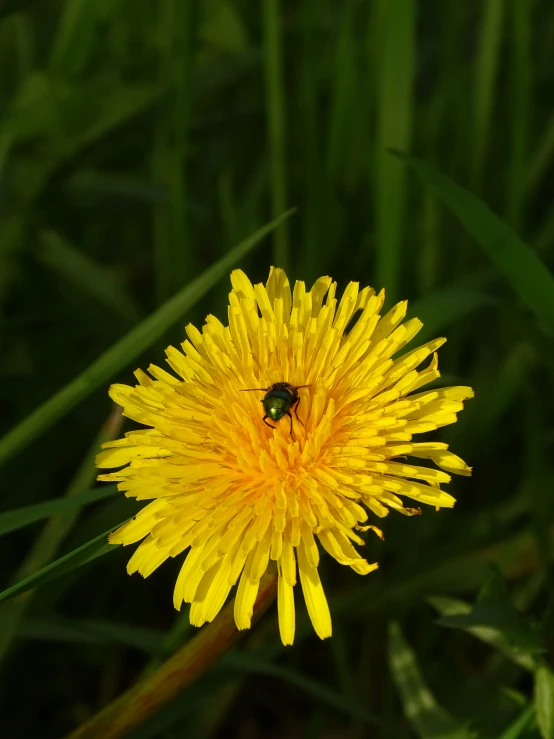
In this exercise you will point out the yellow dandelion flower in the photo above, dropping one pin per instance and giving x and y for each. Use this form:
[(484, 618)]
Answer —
[(236, 489)]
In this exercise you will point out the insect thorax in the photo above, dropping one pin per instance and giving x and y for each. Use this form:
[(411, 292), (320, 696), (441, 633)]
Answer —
[(276, 403)]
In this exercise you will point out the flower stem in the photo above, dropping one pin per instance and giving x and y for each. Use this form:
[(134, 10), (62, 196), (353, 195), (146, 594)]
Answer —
[(149, 695)]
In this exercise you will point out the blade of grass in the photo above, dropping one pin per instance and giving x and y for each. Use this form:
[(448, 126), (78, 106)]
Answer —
[(525, 272), (428, 264), (486, 69), (502, 389), (396, 77), (245, 662), (93, 549), (62, 138), (541, 160), (109, 188), (520, 726), (544, 700), (148, 696), (127, 349), (161, 166), (21, 517), (75, 37), (58, 527), (12, 6), (10, 231), (343, 90), (342, 664), (520, 107), (228, 210), (11, 238), (442, 308), (80, 270), (275, 111), (447, 606), (5, 147), (426, 716), (172, 640), (89, 631), (222, 27), (214, 715), (182, 253), (161, 215), (544, 235), (515, 555), (107, 515), (314, 233), (54, 532), (539, 477)]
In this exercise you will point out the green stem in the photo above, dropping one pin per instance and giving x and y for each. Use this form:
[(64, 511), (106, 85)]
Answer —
[(149, 695)]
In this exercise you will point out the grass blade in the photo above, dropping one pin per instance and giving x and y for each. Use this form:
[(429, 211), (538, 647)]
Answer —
[(541, 159), (249, 663), (182, 253), (525, 272), (428, 264), (275, 124), (80, 270), (394, 126), (12, 6), (520, 726), (544, 700), (47, 543), (442, 308), (75, 38), (424, 713), (150, 695), (485, 78), (503, 619), (313, 213), (94, 548), (501, 390), (343, 92), (447, 606), (21, 517), (89, 631), (125, 350), (521, 107)]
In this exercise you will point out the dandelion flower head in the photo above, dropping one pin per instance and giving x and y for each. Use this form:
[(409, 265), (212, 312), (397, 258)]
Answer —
[(234, 493)]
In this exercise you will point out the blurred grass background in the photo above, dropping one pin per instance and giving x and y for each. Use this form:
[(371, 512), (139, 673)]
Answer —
[(139, 142)]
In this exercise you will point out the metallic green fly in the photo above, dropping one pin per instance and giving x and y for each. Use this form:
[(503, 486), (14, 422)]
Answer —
[(278, 401)]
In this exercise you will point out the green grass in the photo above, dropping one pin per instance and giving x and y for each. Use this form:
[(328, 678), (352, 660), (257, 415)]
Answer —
[(140, 143)]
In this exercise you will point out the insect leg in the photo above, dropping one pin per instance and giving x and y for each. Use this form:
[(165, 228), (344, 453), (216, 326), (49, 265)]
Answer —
[(294, 407), (290, 416), (268, 424)]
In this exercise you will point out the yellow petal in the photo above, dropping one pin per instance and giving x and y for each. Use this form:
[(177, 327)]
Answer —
[(245, 598), (316, 602), (140, 526), (285, 609), (189, 563)]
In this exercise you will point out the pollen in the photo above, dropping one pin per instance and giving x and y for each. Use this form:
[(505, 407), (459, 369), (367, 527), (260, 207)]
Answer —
[(229, 493)]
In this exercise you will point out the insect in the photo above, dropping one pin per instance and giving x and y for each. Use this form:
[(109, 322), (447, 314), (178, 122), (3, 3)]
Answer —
[(278, 401)]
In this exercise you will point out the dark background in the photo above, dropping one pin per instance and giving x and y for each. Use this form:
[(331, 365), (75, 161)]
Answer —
[(139, 142)]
